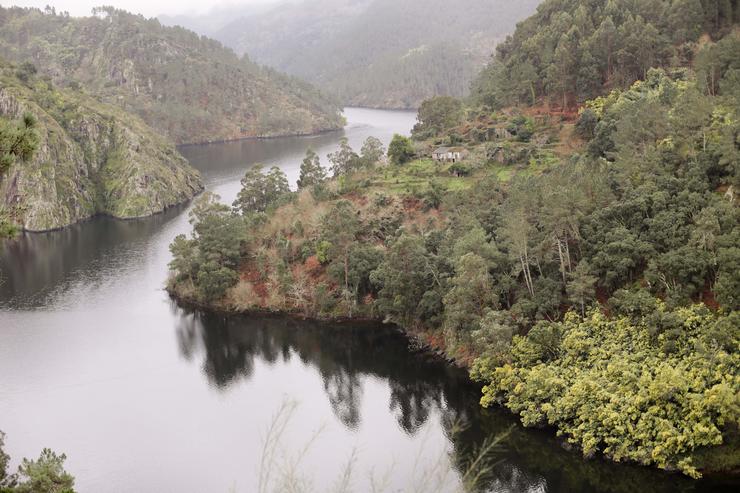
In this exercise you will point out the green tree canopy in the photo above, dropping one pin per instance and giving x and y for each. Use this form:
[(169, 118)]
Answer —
[(312, 173), (262, 191), (372, 151), (437, 115), (400, 150), (344, 160), (18, 140)]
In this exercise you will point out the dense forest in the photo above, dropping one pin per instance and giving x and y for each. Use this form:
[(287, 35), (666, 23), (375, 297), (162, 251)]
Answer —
[(573, 50), (584, 266), (187, 87), (378, 53)]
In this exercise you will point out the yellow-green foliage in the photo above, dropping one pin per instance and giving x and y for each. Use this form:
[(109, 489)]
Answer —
[(610, 386)]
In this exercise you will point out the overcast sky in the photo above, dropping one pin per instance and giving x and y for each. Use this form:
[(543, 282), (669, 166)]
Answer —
[(149, 8)]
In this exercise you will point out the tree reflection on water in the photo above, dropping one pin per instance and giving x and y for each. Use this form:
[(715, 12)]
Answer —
[(421, 386)]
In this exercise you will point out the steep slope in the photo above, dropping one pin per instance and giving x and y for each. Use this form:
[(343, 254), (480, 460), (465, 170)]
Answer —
[(187, 87), (571, 50), (91, 158), (380, 53)]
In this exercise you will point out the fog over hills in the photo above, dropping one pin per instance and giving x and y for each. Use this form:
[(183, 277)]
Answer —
[(377, 53)]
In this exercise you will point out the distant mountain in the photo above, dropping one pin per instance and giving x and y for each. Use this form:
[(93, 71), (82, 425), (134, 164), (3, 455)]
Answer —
[(213, 20), (380, 53), (188, 87), (90, 158)]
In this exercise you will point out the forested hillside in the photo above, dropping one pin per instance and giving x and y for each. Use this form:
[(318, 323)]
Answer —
[(187, 87), (584, 265), (380, 53), (65, 157), (573, 50)]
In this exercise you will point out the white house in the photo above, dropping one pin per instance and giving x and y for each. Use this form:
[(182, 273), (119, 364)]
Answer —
[(450, 154)]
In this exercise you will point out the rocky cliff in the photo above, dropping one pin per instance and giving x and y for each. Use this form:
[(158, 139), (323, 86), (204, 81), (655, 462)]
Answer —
[(92, 158)]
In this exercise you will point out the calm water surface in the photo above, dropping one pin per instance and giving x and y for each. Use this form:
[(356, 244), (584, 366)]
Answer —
[(96, 361)]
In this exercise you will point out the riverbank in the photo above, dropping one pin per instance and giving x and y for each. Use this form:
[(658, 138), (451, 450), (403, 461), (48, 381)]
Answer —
[(481, 260), (719, 462), (422, 339), (262, 137)]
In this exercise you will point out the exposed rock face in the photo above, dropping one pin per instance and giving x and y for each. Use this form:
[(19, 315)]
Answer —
[(92, 159)]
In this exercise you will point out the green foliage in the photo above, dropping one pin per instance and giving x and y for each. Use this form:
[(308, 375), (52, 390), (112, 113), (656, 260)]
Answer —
[(344, 160), (581, 287), (262, 192), (340, 228), (372, 151), (402, 279), (608, 385), (492, 340), (97, 159), (521, 127), (436, 115), (571, 51), (322, 251), (18, 140), (400, 150), (718, 68), (166, 75), (44, 475), (4, 461), (469, 296), (209, 260), (586, 126), (645, 216), (214, 279), (26, 71), (312, 173), (363, 260)]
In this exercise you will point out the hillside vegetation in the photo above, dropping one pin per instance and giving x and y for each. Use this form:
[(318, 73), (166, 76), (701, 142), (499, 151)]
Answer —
[(584, 266), (187, 87), (573, 50), (66, 157), (379, 53)]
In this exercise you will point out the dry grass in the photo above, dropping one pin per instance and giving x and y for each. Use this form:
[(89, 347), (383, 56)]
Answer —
[(243, 296), (304, 210), (281, 468)]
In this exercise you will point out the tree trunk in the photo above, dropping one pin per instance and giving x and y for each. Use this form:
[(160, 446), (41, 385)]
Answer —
[(562, 259), (527, 275)]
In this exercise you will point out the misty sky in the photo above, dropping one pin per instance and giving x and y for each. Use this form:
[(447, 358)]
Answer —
[(149, 8)]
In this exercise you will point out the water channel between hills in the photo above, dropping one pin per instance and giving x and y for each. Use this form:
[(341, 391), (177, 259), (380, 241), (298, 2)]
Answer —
[(97, 362)]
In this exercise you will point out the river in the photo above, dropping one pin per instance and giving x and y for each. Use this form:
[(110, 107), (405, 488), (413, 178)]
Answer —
[(143, 396)]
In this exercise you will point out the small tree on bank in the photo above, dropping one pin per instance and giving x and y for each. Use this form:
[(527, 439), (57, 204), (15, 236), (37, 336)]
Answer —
[(312, 173), (262, 191), (400, 150)]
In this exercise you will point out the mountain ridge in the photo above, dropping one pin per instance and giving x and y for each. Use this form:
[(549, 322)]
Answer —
[(91, 159), (187, 87), (378, 53)]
